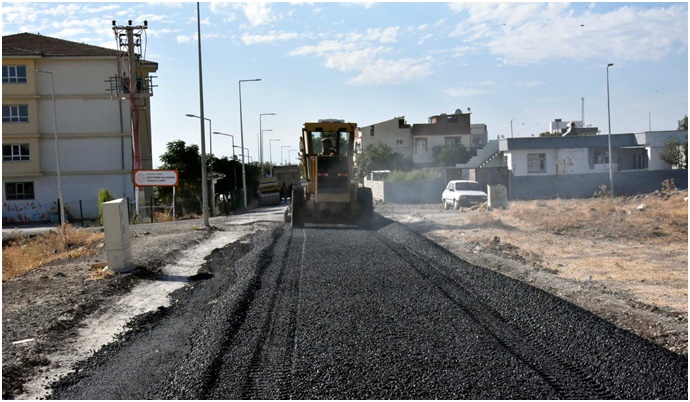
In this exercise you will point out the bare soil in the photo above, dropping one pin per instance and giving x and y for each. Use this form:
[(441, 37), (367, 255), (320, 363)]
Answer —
[(637, 283)]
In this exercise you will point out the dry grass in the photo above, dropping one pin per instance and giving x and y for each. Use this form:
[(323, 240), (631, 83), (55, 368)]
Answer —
[(25, 253), (162, 217), (663, 216)]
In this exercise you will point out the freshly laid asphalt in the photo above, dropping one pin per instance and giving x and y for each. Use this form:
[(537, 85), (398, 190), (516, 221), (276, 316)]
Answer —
[(341, 313)]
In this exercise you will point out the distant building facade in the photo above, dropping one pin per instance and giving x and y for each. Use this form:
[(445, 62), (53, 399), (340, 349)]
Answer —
[(94, 133), (577, 166), (395, 133), (417, 141)]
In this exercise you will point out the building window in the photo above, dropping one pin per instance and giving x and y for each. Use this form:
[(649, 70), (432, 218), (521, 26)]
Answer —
[(536, 163), (601, 157), (452, 142), (19, 191), (398, 142), (15, 152), (15, 113), (14, 74)]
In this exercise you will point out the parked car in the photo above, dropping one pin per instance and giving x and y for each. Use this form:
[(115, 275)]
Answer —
[(462, 193)]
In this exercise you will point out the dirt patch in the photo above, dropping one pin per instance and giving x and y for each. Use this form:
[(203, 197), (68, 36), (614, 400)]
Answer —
[(42, 308), (625, 260)]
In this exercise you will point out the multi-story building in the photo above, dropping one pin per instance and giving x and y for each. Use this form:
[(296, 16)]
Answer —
[(394, 133), (56, 103), (417, 141)]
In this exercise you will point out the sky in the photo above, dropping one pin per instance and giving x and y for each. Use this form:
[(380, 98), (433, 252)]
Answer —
[(516, 66)]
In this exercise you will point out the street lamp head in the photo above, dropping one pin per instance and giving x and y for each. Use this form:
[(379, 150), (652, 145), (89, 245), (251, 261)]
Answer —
[(610, 64), (190, 115)]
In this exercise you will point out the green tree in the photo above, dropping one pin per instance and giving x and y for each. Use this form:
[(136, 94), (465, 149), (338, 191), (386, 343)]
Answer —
[(683, 124), (229, 188), (675, 153), (445, 155), (187, 161), (381, 157)]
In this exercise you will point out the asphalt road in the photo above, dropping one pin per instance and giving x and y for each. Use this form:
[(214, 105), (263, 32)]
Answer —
[(340, 313)]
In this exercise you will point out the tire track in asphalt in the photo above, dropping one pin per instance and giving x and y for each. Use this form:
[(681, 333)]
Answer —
[(605, 360), (568, 380), (270, 370)]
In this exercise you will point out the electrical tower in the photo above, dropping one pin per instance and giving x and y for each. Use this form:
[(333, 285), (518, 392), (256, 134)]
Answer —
[(132, 83)]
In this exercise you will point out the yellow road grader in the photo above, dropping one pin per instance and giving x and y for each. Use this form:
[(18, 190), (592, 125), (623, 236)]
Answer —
[(332, 193)]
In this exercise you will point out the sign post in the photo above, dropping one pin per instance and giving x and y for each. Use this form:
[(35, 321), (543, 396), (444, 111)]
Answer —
[(155, 178)]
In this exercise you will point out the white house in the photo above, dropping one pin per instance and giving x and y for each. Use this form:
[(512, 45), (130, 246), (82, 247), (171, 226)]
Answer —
[(93, 133), (544, 167), (394, 132)]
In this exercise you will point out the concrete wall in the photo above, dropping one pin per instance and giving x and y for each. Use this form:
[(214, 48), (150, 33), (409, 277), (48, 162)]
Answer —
[(585, 185), (407, 192)]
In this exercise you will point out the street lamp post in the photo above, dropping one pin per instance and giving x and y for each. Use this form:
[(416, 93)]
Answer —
[(290, 150), (228, 135), (243, 148), (204, 185), (210, 144), (233, 153), (281, 152), (261, 139), (244, 175), (608, 104), (261, 142), (270, 149), (61, 201)]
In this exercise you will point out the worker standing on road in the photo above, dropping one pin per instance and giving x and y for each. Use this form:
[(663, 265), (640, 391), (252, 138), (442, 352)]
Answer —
[(283, 193)]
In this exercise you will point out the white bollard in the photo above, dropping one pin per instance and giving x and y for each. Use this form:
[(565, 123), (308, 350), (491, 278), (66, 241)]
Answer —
[(498, 196), (117, 238)]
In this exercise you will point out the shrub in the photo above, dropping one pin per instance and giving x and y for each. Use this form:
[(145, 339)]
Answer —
[(668, 186), (398, 175), (103, 196)]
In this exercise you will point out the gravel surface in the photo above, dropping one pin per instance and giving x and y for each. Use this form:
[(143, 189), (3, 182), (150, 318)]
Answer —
[(341, 313), (49, 304)]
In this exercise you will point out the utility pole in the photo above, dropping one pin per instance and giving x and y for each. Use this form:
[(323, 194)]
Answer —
[(130, 82)]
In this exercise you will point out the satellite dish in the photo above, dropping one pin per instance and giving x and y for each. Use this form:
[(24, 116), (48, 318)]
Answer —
[(458, 111)]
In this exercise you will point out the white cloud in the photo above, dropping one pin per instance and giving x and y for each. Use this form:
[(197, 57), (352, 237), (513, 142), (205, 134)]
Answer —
[(386, 35), (258, 13), (530, 84), (70, 32), (366, 56), (524, 34), (471, 89), (185, 39), (382, 71), (460, 92), (268, 38)]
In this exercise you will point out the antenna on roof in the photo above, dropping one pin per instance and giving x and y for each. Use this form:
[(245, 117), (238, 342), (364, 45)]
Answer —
[(583, 111)]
